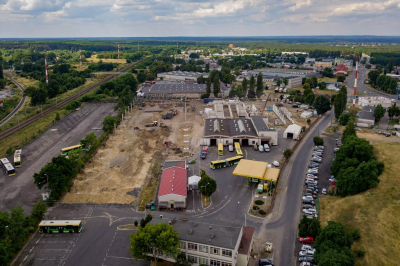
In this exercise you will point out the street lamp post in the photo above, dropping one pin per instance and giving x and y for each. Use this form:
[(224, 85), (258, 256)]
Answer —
[(237, 206)]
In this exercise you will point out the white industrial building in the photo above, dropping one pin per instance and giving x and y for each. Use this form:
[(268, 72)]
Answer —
[(181, 75), (292, 132), (374, 101), (366, 117)]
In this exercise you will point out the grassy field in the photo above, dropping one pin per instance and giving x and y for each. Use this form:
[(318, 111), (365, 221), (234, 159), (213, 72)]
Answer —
[(326, 79), (26, 82), (28, 111), (376, 212)]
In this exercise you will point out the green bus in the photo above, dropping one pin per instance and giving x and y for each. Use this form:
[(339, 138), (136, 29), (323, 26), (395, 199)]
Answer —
[(226, 162), (67, 150), (60, 226)]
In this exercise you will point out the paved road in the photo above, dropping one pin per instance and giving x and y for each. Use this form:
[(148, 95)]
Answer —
[(20, 104), (362, 76), (20, 189)]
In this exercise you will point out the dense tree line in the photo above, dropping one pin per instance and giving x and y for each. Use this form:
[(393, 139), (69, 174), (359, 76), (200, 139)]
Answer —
[(384, 58), (355, 166), (101, 66), (382, 82), (323, 54), (15, 227)]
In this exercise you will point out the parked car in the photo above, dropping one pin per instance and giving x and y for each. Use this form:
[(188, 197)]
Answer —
[(317, 149), (316, 159), (317, 154), (335, 149), (275, 163), (295, 106), (307, 247), (306, 252), (307, 198), (265, 262), (266, 147), (308, 202), (230, 147), (321, 147), (311, 216), (324, 191), (313, 210), (260, 148), (312, 176), (306, 263), (311, 191), (307, 206), (313, 165), (310, 194), (307, 212), (308, 240), (312, 171), (305, 258)]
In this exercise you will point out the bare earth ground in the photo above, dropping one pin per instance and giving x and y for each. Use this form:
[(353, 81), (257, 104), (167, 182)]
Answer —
[(373, 138), (123, 166), (376, 212)]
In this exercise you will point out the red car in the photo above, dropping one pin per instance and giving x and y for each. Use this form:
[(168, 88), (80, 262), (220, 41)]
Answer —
[(333, 182), (308, 240)]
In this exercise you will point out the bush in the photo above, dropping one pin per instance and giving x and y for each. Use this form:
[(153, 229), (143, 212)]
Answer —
[(255, 207), (57, 116), (354, 233), (73, 105), (360, 252), (10, 151), (287, 153), (259, 202), (262, 212), (136, 223), (318, 141)]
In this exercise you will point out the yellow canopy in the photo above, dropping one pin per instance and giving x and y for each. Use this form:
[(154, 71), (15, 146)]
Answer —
[(271, 174), (250, 168)]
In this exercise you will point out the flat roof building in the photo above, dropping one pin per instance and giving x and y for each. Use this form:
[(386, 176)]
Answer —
[(215, 243), (181, 75)]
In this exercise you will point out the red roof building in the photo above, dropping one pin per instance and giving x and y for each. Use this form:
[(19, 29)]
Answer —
[(173, 188), (341, 70)]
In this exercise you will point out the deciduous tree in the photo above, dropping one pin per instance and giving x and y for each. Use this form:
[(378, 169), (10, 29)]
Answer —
[(155, 241), (322, 104), (379, 112)]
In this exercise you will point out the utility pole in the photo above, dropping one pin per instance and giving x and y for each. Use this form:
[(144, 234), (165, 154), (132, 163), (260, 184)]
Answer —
[(237, 206)]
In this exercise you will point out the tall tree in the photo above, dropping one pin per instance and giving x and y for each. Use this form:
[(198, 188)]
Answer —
[(343, 90), (314, 81), (260, 87), (252, 83), (244, 87), (390, 65), (350, 130), (338, 104), (379, 112), (156, 240), (216, 86), (208, 87), (322, 104), (1, 71), (207, 69), (207, 185)]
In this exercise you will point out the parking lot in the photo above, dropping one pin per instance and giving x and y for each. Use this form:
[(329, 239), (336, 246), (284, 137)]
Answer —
[(232, 193), (323, 175), (20, 189), (99, 243)]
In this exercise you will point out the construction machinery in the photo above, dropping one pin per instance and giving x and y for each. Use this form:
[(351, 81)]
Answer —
[(162, 124), (152, 124), (143, 104), (174, 111), (152, 103)]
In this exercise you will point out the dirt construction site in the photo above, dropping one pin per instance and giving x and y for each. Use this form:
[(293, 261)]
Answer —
[(132, 156)]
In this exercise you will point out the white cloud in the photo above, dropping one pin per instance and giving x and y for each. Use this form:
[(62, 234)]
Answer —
[(300, 4)]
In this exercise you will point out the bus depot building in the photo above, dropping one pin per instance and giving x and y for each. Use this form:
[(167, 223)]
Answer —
[(246, 131)]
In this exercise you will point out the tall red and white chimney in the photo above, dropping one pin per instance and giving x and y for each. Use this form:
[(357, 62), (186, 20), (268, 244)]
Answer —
[(355, 84), (45, 67)]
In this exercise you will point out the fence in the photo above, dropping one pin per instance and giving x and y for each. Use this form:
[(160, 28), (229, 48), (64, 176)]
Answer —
[(287, 114), (279, 114), (285, 163)]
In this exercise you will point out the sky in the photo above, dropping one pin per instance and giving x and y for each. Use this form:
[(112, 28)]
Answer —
[(162, 18)]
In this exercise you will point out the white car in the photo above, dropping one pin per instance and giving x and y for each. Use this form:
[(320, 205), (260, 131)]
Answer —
[(308, 198), (230, 147), (306, 247), (275, 163), (312, 171), (306, 252), (311, 216), (324, 191), (313, 210), (305, 263)]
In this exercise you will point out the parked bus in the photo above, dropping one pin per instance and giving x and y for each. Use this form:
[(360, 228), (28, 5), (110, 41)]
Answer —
[(60, 226), (220, 149), (226, 162), (67, 150), (238, 149), (17, 158), (7, 166)]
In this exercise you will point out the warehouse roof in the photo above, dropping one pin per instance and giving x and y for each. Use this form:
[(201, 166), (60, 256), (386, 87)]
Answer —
[(229, 127), (173, 181), (250, 168), (213, 233), (259, 123), (182, 74), (173, 88)]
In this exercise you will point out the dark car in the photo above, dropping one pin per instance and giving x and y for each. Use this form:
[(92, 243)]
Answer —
[(295, 106), (265, 262), (306, 258), (313, 165)]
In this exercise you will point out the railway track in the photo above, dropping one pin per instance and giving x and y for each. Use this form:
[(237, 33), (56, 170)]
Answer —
[(20, 104), (33, 119)]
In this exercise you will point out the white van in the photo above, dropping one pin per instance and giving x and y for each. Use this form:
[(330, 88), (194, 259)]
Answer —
[(230, 147), (260, 148), (266, 147)]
